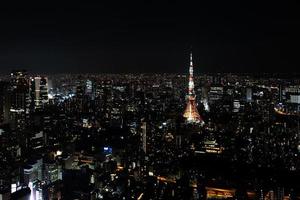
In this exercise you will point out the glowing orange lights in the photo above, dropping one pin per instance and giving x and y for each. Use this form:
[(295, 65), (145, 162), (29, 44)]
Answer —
[(191, 113)]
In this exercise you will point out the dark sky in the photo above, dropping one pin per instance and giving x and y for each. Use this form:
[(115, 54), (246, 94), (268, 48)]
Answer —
[(150, 36)]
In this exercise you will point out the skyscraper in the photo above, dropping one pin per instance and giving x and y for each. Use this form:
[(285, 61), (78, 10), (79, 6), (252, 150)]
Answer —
[(5, 100), (191, 113), (19, 110), (38, 92), (144, 136)]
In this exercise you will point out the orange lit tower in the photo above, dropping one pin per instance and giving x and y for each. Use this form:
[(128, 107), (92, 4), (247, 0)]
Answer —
[(191, 113)]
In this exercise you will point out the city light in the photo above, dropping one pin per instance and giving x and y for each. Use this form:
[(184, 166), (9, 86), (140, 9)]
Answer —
[(151, 100)]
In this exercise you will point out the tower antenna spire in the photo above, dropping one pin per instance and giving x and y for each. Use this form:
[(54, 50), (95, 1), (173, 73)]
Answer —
[(191, 113)]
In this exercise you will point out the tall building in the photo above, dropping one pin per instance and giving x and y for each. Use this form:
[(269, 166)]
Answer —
[(191, 113), (249, 94), (38, 92), (5, 100), (89, 88), (215, 93), (19, 110), (144, 136), (44, 90)]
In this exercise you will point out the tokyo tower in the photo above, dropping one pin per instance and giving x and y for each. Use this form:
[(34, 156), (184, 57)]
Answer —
[(191, 113)]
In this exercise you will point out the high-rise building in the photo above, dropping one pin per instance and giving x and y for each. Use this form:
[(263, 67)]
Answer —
[(191, 113), (215, 93), (89, 88), (5, 101), (19, 110), (44, 90), (144, 136), (38, 92), (80, 89), (249, 94), (37, 141)]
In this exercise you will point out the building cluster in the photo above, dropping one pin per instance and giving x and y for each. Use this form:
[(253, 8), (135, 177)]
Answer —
[(149, 136)]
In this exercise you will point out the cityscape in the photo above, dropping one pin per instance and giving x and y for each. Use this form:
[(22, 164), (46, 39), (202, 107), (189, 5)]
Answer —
[(143, 132)]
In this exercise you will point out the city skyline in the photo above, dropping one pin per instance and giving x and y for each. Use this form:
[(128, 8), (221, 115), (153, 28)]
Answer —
[(168, 100)]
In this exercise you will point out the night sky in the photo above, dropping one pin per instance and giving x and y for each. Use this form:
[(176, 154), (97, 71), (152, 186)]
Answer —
[(149, 36)]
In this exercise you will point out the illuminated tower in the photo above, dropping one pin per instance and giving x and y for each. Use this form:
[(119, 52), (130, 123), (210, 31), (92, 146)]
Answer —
[(191, 113)]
